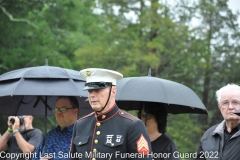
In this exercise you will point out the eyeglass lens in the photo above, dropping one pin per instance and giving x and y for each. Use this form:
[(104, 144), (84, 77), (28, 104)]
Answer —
[(61, 109), (145, 116), (233, 103)]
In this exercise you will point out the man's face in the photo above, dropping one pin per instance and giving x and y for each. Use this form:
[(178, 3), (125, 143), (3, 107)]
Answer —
[(230, 103), (26, 124), (67, 118), (98, 97)]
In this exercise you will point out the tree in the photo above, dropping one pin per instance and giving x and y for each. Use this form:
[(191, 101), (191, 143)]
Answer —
[(154, 41), (32, 31), (218, 33)]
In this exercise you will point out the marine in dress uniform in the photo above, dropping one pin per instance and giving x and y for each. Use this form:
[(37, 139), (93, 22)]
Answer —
[(107, 133)]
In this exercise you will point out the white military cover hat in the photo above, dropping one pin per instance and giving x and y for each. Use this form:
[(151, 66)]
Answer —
[(97, 78)]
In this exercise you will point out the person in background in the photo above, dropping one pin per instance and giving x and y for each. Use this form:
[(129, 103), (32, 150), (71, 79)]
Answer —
[(108, 130), (56, 144), (154, 116), (221, 141), (20, 138)]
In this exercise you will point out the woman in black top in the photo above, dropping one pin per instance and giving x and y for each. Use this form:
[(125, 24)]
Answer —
[(154, 117)]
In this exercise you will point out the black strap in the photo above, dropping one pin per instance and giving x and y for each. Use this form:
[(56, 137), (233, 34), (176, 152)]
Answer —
[(107, 100)]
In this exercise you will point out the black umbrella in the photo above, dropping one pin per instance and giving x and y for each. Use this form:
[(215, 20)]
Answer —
[(177, 98), (237, 112), (34, 90)]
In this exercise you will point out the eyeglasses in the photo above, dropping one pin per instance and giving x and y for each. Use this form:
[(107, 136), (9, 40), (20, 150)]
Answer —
[(225, 104), (61, 109), (145, 116)]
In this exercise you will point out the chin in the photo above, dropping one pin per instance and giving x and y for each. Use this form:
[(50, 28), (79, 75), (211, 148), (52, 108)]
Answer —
[(96, 107), (233, 118)]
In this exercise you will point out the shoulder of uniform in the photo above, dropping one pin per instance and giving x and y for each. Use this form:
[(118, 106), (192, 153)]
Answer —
[(128, 116), (89, 115)]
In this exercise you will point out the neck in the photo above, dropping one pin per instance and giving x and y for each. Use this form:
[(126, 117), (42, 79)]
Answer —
[(62, 126), (154, 135), (153, 132), (28, 126), (152, 128), (230, 125), (109, 106)]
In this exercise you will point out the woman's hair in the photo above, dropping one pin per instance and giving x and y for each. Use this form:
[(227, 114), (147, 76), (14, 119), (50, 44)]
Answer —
[(159, 112)]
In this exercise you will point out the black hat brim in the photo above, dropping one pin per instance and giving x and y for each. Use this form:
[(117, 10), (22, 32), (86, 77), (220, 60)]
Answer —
[(92, 87), (96, 85)]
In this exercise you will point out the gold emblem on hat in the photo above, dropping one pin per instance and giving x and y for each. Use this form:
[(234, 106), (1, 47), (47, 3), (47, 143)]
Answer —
[(88, 73)]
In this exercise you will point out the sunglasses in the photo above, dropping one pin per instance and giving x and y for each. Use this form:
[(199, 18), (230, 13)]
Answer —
[(145, 116), (61, 109)]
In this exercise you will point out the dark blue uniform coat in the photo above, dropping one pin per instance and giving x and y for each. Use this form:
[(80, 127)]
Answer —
[(112, 135)]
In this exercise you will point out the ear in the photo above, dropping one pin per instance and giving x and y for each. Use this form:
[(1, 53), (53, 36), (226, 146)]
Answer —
[(31, 118), (114, 91), (219, 107), (76, 111)]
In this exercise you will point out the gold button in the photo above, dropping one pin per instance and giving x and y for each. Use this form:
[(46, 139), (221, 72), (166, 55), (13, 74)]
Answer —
[(103, 116), (98, 124), (93, 158), (94, 150), (112, 144), (98, 132), (96, 141), (79, 143)]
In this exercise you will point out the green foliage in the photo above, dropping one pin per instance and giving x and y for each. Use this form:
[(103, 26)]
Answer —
[(189, 134)]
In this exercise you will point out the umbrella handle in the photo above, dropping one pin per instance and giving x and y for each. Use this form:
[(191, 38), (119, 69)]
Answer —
[(44, 102)]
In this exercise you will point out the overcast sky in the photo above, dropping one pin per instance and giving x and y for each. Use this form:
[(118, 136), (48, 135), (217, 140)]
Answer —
[(235, 5)]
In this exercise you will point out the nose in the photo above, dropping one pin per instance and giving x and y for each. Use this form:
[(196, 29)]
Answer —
[(231, 106), (91, 93)]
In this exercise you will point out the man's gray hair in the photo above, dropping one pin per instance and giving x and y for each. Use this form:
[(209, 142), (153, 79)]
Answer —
[(227, 87)]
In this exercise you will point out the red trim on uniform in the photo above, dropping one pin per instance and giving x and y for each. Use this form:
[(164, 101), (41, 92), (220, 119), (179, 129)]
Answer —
[(89, 115), (109, 117), (142, 145), (124, 116), (94, 132), (100, 114), (108, 114)]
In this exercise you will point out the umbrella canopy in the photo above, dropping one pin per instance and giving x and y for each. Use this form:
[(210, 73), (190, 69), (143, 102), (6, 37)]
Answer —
[(177, 98), (34, 90)]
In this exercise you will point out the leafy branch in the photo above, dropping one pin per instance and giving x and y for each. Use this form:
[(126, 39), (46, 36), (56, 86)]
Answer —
[(15, 19)]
